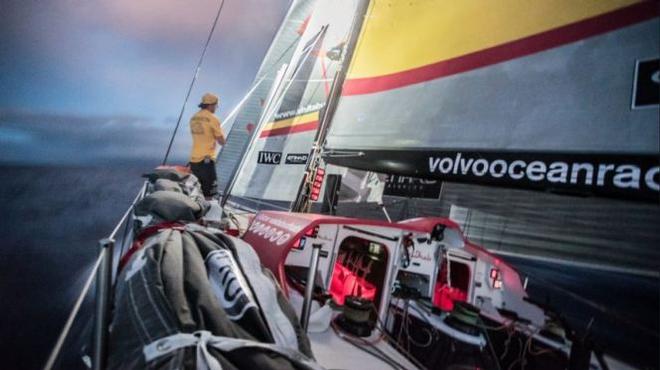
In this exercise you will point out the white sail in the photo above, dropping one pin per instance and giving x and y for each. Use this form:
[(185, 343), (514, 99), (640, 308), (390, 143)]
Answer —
[(274, 166), (244, 122)]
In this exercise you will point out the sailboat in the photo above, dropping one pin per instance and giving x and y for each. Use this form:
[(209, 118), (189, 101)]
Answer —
[(409, 107), (514, 95)]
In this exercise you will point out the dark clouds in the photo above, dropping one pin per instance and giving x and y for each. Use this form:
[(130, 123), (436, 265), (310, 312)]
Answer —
[(27, 137)]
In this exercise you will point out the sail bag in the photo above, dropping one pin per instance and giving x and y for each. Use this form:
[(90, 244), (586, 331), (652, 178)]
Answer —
[(193, 297)]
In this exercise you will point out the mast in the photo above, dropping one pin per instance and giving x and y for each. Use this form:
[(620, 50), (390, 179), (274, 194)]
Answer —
[(303, 200), (272, 168)]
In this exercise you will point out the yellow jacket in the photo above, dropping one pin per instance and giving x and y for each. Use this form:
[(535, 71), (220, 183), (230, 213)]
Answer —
[(205, 129)]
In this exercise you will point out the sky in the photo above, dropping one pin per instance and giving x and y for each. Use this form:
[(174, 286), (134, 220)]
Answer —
[(85, 82)]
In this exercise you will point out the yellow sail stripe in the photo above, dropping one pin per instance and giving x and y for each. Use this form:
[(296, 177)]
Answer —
[(403, 35), (294, 121)]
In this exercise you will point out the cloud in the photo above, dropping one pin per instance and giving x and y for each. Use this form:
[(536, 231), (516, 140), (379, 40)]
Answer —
[(111, 56), (29, 137), (113, 70), (176, 21)]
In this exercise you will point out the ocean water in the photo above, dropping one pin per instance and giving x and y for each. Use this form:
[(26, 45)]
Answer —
[(50, 221), (51, 218)]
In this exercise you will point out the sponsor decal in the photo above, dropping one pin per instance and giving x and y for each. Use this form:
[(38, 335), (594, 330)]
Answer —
[(270, 232), (646, 90), (229, 284), (591, 172), (269, 157), (558, 172), (407, 186), (422, 256), (296, 158), (626, 176), (299, 111)]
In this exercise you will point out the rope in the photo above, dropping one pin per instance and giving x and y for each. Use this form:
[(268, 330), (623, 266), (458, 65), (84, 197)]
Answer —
[(194, 79)]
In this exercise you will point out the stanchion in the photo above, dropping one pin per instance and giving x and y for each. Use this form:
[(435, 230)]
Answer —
[(309, 286), (103, 289)]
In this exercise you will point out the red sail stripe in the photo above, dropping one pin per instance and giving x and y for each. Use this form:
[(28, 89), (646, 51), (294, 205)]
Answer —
[(309, 126), (529, 45)]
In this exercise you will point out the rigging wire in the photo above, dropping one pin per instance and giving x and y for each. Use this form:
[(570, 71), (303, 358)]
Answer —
[(256, 84), (194, 79), (64, 333), (259, 81), (383, 329), (54, 354)]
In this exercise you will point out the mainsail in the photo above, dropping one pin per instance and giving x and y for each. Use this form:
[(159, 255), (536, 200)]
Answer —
[(538, 95), (495, 98), (273, 167)]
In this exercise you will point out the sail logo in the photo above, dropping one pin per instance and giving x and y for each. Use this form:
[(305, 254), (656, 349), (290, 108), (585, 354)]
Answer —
[(269, 232), (269, 157), (548, 170), (228, 284), (407, 186), (296, 158), (417, 254)]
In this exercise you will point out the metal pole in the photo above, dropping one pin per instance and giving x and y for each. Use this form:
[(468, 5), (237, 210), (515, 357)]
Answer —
[(309, 287), (103, 289), (387, 215)]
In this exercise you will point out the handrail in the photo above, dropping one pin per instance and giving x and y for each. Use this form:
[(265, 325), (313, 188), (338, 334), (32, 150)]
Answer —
[(137, 198), (57, 349), (54, 354)]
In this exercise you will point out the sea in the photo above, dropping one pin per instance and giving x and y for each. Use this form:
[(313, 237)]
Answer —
[(52, 217)]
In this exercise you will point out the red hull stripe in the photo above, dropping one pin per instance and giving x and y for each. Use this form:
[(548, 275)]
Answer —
[(529, 45), (291, 129)]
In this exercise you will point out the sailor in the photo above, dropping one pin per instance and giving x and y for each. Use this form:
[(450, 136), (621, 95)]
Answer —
[(206, 132)]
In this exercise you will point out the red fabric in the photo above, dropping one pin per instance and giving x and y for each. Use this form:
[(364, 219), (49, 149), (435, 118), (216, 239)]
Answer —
[(344, 282), (445, 296), (181, 169), (146, 233), (232, 232), (303, 26)]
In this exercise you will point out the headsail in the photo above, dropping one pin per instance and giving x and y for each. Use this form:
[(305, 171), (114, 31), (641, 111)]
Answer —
[(279, 53), (274, 165), (512, 94)]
